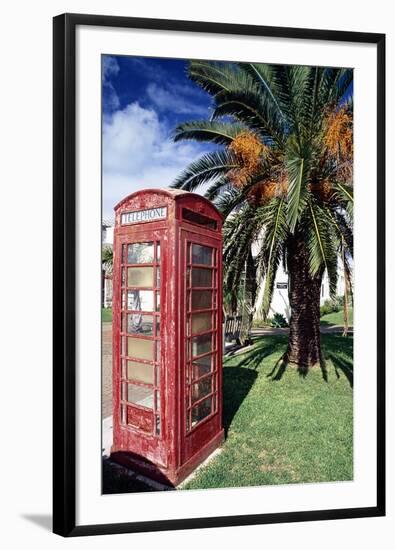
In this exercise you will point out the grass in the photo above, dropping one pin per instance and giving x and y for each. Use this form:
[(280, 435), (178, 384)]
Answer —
[(295, 430), (337, 318), (106, 315)]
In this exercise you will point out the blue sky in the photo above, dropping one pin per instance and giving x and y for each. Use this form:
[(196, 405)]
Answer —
[(143, 101)]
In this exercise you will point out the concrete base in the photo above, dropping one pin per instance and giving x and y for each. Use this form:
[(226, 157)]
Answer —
[(166, 476)]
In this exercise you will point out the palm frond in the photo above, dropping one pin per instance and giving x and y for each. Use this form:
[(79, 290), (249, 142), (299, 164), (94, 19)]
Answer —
[(321, 244), (252, 108), (270, 254), (344, 195), (262, 74), (205, 170), (215, 77), (215, 131), (298, 170)]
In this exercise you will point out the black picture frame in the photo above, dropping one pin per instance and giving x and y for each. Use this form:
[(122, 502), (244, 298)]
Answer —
[(64, 270)]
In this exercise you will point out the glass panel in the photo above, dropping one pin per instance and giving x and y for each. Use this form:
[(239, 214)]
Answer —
[(141, 395), (202, 366), (141, 253), (140, 324), (201, 411), (140, 372), (201, 389), (188, 325), (201, 322), (141, 349), (201, 276), (201, 299), (123, 253), (158, 301), (140, 276), (201, 254), (157, 400), (123, 414), (157, 325), (188, 347), (188, 277), (187, 418), (157, 252), (188, 253), (158, 277), (158, 351), (141, 300), (201, 344), (157, 375)]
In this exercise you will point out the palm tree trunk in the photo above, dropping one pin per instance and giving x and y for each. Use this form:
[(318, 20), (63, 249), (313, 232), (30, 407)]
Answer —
[(304, 344)]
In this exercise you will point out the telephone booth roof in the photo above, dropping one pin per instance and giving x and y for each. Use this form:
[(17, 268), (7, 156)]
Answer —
[(178, 202)]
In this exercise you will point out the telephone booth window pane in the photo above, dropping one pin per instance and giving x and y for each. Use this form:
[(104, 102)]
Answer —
[(158, 351), (199, 412), (201, 344), (201, 322), (141, 395), (141, 253), (141, 300), (140, 348), (201, 277), (140, 372), (158, 252), (201, 254), (201, 299), (140, 324), (140, 276), (157, 326), (201, 389), (158, 301), (202, 366)]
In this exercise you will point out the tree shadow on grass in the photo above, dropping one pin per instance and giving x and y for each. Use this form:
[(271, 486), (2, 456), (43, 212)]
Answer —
[(237, 382), (339, 350), (335, 348), (263, 347)]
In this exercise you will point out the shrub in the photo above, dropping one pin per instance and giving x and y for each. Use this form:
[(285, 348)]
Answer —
[(331, 306), (278, 321)]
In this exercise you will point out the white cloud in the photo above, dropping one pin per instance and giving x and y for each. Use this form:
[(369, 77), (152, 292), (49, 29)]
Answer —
[(138, 152), (178, 98)]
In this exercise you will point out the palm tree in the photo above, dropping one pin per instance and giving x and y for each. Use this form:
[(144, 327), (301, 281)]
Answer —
[(282, 177), (107, 259)]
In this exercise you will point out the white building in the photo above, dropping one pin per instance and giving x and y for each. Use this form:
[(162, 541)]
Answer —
[(280, 303)]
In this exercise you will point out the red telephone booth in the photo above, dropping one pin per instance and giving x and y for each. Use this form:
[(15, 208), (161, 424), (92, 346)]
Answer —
[(167, 332)]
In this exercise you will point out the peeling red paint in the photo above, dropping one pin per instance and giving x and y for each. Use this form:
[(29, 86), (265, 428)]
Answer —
[(161, 441)]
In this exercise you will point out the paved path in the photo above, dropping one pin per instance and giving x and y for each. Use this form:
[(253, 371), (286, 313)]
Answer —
[(106, 407), (325, 329)]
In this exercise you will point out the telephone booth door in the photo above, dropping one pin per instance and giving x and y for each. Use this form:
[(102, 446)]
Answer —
[(202, 341), (140, 344)]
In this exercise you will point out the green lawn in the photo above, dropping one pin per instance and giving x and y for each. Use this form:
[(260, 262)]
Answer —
[(106, 315), (337, 318), (293, 430)]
